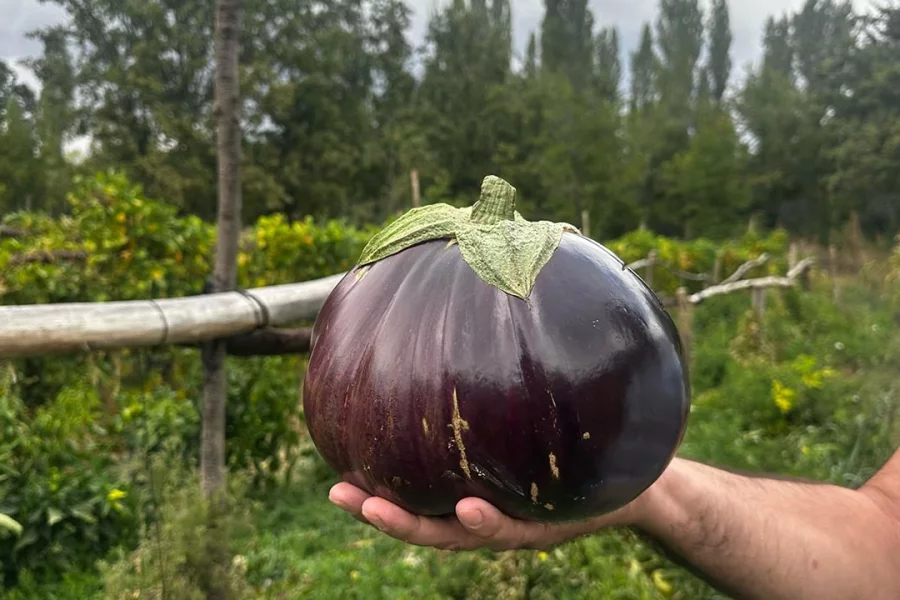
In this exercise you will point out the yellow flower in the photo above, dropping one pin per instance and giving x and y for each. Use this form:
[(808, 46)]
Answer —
[(542, 556), (354, 575), (115, 495), (634, 568), (661, 584), (157, 274), (783, 396), (121, 217)]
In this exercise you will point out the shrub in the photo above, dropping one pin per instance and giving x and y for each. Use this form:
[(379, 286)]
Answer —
[(58, 481)]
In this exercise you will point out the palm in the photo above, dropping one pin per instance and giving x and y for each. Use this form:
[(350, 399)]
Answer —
[(477, 524)]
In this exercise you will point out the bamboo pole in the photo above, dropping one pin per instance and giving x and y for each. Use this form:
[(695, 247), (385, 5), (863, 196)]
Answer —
[(36, 330)]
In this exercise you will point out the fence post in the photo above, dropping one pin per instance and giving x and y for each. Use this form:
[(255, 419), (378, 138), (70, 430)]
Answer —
[(648, 272), (414, 180), (717, 268), (685, 319), (833, 268), (586, 222), (758, 300)]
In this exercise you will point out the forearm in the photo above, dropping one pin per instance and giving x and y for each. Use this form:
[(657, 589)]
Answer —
[(773, 539)]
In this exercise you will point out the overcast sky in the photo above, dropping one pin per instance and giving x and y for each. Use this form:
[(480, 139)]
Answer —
[(17, 17)]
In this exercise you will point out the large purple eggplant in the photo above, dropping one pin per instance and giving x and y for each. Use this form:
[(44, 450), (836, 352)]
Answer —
[(474, 353)]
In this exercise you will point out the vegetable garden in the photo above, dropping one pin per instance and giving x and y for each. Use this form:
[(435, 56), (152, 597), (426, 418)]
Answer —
[(98, 450)]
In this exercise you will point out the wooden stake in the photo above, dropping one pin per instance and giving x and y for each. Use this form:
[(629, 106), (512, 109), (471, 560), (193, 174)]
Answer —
[(758, 300), (586, 222), (414, 180), (228, 155), (648, 272), (833, 270), (717, 268), (685, 319), (793, 253)]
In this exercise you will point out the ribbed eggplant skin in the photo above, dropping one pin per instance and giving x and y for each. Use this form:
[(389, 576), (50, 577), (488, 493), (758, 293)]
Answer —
[(426, 385)]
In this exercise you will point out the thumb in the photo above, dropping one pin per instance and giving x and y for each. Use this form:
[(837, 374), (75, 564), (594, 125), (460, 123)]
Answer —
[(497, 530)]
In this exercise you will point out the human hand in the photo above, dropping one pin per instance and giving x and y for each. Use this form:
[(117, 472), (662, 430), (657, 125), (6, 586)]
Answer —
[(477, 523)]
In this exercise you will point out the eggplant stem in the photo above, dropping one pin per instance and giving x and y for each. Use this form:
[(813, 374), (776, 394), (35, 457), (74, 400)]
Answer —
[(496, 203)]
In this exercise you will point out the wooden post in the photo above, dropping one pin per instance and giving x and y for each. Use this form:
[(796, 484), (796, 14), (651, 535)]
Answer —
[(648, 271), (758, 300), (833, 269), (793, 253), (684, 316), (586, 222), (717, 268), (228, 155), (414, 180), (856, 240)]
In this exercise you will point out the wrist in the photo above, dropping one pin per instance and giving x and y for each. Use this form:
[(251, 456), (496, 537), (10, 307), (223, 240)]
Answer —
[(654, 508)]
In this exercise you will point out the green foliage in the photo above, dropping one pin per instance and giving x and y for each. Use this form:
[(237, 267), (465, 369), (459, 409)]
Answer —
[(75, 428), (336, 114), (138, 248), (700, 256), (182, 550), (58, 481), (806, 391), (277, 251)]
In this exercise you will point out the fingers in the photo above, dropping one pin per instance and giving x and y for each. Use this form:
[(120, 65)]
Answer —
[(443, 533), (446, 534), (349, 498), (477, 524), (497, 531)]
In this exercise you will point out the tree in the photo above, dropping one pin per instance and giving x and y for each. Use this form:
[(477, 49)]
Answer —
[(567, 41), (679, 39), (608, 68), (719, 67), (464, 99), (20, 168), (56, 117)]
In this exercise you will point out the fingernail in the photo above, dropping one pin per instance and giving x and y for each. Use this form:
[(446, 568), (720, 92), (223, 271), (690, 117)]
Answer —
[(378, 523), (475, 519)]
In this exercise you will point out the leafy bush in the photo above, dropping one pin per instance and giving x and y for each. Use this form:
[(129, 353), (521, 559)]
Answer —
[(119, 407), (185, 551), (58, 481), (699, 256)]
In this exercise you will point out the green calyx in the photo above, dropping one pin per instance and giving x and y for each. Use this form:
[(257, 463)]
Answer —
[(503, 248)]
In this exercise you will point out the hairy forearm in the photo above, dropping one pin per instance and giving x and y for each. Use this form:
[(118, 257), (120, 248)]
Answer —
[(774, 539)]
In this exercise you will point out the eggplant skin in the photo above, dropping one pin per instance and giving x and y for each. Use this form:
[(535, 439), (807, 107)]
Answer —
[(426, 385)]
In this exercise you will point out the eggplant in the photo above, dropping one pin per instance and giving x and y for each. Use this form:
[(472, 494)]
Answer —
[(471, 352)]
